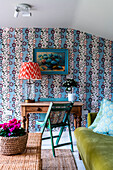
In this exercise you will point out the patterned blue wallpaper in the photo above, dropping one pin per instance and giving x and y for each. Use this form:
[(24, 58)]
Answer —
[(90, 63)]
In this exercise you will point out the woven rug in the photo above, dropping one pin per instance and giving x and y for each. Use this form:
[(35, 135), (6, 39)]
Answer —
[(29, 160), (64, 160)]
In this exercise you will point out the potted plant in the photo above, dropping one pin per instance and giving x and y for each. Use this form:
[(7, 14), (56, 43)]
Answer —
[(13, 137), (69, 84)]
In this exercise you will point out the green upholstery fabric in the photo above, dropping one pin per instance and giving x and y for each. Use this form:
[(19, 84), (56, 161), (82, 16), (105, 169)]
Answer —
[(90, 118), (96, 150)]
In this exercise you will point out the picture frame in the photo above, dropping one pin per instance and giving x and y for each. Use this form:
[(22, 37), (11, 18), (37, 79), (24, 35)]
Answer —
[(51, 61)]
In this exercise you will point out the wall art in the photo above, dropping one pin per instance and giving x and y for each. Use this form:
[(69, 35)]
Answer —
[(51, 61)]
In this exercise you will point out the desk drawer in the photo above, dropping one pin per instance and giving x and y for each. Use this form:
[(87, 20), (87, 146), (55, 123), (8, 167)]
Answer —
[(36, 109)]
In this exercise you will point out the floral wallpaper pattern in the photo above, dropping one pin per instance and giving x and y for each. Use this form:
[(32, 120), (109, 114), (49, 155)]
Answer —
[(90, 63)]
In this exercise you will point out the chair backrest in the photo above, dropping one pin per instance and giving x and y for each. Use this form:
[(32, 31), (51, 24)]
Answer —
[(46, 117), (48, 112), (59, 112)]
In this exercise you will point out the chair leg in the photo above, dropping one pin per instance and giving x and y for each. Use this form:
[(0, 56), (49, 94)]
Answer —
[(42, 131), (60, 133), (52, 142), (70, 136)]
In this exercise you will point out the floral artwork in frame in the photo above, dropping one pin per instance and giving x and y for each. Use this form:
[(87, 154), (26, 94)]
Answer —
[(51, 61)]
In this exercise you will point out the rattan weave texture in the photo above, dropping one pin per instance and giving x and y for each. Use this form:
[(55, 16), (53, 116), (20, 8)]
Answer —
[(29, 160), (13, 145)]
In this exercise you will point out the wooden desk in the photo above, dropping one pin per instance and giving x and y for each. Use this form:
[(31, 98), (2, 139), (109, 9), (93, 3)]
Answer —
[(42, 107)]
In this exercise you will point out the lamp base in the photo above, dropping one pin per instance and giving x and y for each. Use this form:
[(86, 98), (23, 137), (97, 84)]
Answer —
[(29, 101)]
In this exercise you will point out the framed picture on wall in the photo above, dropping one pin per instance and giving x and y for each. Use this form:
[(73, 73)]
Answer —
[(51, 61)]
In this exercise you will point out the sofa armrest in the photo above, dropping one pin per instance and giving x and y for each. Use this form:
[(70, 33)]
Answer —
[(90, 118)]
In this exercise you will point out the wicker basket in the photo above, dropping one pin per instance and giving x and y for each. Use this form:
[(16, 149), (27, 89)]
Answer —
[(13, 145)]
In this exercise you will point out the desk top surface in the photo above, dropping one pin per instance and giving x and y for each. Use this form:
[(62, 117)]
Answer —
[(40, 103)]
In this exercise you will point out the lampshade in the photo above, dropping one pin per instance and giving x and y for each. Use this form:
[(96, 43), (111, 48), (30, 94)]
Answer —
[(30, 70)]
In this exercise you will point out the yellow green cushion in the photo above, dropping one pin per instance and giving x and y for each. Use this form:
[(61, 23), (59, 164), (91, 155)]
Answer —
[(95, 149), (91, 117)]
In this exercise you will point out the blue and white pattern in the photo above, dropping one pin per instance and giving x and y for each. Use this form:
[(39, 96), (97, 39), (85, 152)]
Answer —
[(98, 117), (105, 125)]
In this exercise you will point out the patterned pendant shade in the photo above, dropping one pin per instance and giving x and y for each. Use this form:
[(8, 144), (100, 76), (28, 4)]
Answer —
[(30, 70)]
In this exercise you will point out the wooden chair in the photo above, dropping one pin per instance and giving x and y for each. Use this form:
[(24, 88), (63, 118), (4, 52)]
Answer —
[(57, 116)]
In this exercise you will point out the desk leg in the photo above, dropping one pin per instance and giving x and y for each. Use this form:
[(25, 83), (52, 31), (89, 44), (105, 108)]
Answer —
[(27, 123), (24, 122), (23, 113), (77, 121), (77, 117)]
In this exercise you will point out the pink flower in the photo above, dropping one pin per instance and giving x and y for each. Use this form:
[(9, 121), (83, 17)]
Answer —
[(10, 121), (9, 134), (10, 125), (17, 126), (0, 125), (4, 126), (14, 120), (12, 129)]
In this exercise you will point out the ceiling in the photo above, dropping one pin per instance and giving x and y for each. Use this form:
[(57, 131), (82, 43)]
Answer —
[(91, 16)]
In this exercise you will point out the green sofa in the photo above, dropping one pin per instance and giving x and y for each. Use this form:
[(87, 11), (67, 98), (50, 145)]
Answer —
[(96, 150)]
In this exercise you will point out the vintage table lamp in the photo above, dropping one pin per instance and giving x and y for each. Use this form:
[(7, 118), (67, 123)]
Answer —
[(30, 71)]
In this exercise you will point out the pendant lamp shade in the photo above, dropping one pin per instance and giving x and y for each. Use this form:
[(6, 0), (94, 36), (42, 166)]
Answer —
[(28, 71)]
